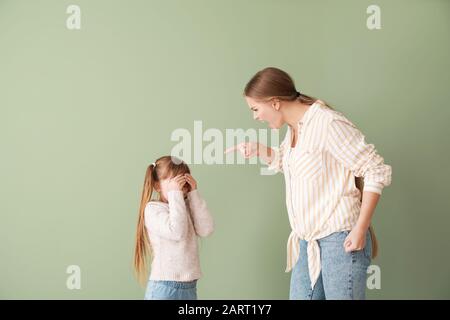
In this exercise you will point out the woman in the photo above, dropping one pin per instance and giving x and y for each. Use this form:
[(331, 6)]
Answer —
[(331, 243)]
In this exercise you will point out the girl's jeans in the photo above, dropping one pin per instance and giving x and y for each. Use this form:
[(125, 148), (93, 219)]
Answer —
[(171, 290)]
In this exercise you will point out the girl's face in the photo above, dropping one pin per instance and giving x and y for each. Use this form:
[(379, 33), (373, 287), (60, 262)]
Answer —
[(163, 189), (266, 111)]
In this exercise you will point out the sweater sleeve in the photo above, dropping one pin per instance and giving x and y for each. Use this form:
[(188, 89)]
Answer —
[(347, 145), (171, 224), (203, 221)]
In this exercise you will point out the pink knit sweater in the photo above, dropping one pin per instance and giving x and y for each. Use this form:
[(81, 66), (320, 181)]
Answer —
[(173, 228)]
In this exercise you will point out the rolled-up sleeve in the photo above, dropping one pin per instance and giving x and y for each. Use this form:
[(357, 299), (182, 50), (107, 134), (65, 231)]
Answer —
[(348, 146), (277, 162)]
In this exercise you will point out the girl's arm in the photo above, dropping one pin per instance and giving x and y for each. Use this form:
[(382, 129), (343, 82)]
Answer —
[(171, 224), (203, 221)]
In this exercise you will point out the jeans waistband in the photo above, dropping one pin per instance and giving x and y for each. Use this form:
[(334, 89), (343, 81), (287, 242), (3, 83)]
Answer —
[(177, 284)]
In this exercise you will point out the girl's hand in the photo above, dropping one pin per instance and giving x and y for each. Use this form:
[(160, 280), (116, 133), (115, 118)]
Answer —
[(247, 149), (355, 240), (176, 183), (191, 181)]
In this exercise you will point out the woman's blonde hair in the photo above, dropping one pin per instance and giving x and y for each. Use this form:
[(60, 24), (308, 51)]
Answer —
[(275, 83), (272, 83), (163, 168)]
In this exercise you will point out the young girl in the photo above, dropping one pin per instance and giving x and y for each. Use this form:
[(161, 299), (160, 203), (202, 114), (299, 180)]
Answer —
[(168, 229)]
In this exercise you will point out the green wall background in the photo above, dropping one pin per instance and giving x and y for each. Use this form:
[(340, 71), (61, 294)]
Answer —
[(83, 112)]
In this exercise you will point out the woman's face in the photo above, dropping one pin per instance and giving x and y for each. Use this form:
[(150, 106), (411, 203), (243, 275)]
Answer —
[(266, 111)]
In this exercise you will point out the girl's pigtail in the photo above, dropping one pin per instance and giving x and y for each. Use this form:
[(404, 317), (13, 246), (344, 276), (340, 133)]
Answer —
[(142, 247)]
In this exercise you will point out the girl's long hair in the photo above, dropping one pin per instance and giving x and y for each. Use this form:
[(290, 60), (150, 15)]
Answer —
[(165, 167), (272, 83)]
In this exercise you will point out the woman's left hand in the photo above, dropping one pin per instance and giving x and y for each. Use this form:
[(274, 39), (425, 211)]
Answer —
[(355, 240), (191, 181)]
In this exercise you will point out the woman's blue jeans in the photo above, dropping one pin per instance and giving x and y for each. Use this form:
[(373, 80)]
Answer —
[(343, 275)]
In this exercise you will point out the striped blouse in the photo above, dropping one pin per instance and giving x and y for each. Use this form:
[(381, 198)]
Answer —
[(320, 171)]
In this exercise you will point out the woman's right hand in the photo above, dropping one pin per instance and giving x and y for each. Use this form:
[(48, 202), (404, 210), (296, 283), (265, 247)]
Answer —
[(176, 183), (247, 149)]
